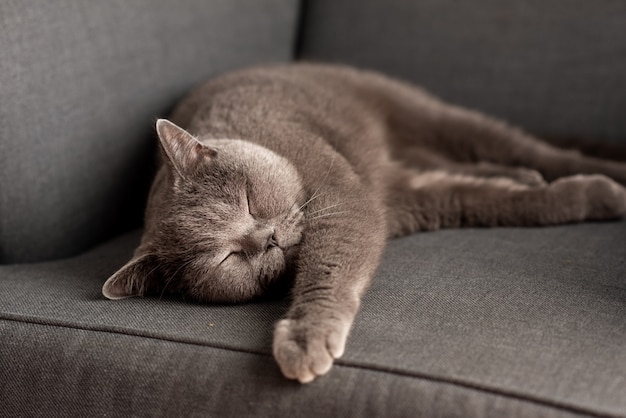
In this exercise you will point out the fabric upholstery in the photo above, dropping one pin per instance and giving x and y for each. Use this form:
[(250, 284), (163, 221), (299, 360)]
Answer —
[(459, 323), (477, 322), (82, 83), (553, 67)]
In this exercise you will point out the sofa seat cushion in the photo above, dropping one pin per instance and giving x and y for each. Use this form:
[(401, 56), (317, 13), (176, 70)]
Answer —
[(478, 322)]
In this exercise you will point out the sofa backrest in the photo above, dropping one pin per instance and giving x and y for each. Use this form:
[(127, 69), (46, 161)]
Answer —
[(81, 84), (554, 67)]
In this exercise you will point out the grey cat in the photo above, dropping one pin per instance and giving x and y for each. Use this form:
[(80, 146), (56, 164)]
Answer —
[(298, 174)]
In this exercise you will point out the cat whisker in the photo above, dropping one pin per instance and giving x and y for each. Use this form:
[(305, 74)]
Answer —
[(337, 204), (325, 215), (173, 276), (167, 282), (300, 195), (315, 195), (142, 288), (323, 209)]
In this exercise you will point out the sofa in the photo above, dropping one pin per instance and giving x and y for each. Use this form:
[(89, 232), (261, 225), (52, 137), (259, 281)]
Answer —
[(507, 322)]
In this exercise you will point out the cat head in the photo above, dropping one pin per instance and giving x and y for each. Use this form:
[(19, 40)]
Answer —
[(223, 222)]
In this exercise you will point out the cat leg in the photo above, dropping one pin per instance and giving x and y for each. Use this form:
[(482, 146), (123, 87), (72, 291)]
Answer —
[(433, 200), (469, 136), (520, 175), (340, 250), (417, 118), (423, 159)]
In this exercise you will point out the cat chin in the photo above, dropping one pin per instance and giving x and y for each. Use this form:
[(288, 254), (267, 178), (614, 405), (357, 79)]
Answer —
[(277, 289), (233, 290), (218, 298)]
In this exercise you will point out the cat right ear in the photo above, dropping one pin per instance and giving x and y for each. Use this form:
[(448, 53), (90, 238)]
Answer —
[(133, 279), (183, 152)]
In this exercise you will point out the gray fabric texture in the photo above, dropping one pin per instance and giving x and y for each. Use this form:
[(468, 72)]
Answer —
[(82, 83), (477, 322), (491, 323), (552, 67)]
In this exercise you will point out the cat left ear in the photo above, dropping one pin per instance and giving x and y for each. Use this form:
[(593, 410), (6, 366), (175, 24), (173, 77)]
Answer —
[(182, 150), (133, 279)]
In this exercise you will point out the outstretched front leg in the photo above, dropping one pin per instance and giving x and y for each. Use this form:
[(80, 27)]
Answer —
[(436, 199), (340, 251)]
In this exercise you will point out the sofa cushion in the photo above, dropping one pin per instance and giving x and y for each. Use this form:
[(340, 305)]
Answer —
[(82, 83), (555, 68), (478, 322)]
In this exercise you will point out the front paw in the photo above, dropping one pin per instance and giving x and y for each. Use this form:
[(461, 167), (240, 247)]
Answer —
[(305, 348)]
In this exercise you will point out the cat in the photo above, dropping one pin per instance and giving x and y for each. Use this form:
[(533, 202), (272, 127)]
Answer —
[(298, 174)]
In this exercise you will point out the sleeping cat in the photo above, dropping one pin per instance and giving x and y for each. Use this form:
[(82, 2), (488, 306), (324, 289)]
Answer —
[(298, 174)]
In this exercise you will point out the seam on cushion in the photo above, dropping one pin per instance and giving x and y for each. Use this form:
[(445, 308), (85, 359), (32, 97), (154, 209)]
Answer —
[(123, 331), (466, 384), (341, 363)]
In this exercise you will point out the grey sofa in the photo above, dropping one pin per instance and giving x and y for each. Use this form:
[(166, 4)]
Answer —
[(458, 323)]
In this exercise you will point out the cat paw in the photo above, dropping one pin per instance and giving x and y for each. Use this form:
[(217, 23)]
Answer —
[(592, 197), (305, 349), (606, 198)]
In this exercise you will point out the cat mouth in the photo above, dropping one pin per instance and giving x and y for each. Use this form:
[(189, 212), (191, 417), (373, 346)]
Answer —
[(275, 282), (291, 253)]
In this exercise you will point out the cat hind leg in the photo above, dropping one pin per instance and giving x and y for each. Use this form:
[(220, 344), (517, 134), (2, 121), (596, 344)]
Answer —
[(469, 136), (437, 199), (424, 159)]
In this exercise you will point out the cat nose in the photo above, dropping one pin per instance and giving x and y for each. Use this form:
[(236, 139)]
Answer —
[(261, 239), (271, 242)]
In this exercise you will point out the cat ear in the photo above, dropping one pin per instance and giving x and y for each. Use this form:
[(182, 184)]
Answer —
[(133, 279), (182, 150)]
